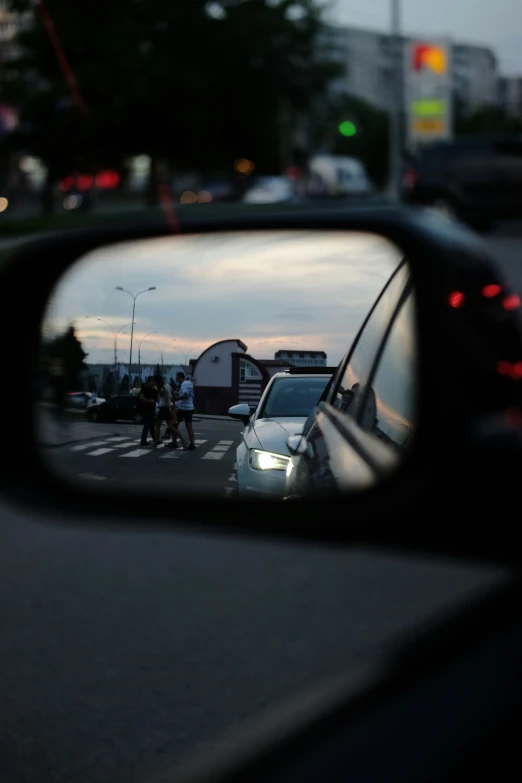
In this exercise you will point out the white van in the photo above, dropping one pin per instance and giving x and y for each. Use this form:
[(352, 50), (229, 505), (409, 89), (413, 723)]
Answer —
[(334, 175)]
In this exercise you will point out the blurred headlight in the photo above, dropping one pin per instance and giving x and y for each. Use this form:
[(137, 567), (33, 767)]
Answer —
[(265, 460)]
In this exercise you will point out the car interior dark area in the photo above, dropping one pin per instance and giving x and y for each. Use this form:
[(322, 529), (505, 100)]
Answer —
[(441, 707)]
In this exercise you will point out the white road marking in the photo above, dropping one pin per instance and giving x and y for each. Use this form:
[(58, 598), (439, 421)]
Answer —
[(232, 478), (118, 437), (91, 476), (220, 448), (173, 455), (213, 455), (226, 442), (83, 446), (199, 442), (124, 445), (229, 491), (98, 452), (137, 453)]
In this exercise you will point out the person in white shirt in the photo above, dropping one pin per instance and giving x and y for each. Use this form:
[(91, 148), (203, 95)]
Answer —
[(185, 406)]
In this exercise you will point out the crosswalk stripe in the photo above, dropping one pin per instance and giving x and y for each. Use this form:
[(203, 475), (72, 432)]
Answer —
[(124, 445), (225, 442), (117, 438), (213, 455), (136, 453), (219, 447), (98, 452), (83, 446)]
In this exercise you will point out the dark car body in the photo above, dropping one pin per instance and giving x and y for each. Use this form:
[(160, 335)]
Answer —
[(365, 419), (477, 179), (119, 408)]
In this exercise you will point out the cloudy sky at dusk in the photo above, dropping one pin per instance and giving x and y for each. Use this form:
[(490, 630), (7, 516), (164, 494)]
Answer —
[(495, 23), (274, 291)]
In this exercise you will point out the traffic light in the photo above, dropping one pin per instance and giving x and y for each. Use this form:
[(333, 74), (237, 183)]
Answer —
[(347, 128)]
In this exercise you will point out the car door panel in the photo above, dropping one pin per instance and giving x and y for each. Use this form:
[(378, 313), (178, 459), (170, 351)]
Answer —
[(312, 471)]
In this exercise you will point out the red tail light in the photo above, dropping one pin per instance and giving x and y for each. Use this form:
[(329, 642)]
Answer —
[(410, 178)]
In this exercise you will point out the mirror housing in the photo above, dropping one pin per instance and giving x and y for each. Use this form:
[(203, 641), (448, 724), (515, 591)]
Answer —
[(445, 258), (241, 412)]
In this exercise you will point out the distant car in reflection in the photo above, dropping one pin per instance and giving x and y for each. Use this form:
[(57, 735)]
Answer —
[(262, 456), (119, 408), (363, 424)]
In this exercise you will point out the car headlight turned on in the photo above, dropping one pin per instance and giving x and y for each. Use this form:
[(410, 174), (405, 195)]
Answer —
[(265, 460)]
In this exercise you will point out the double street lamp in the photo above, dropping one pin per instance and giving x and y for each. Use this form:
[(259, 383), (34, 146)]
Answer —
[(115, 333), (134, 297), (139, 346)]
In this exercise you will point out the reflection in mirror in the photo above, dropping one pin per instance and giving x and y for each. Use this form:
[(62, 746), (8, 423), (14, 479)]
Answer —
[(188, 364)]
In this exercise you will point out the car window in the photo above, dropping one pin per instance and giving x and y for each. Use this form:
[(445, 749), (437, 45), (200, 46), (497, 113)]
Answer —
[(357, 371), (293, 397), (388, 409)]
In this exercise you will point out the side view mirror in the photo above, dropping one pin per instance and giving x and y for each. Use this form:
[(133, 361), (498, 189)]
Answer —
[(296, 444), (241, 412)]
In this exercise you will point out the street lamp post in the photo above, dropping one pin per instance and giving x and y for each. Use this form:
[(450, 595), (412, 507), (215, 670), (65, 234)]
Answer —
[(116, 335), (395, 153), (120, 331), (134, 297), (139, 347)]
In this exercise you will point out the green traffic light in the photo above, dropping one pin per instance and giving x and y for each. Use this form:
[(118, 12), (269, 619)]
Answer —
[(347, 128)]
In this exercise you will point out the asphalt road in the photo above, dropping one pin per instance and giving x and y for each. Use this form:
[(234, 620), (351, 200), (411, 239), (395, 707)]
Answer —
[(116, 456), (121, 652)]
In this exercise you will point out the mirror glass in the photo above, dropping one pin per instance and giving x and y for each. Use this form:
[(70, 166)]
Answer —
[(188, 364)]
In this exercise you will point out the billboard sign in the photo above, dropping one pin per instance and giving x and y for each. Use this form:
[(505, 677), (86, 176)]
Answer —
[(428, 91)]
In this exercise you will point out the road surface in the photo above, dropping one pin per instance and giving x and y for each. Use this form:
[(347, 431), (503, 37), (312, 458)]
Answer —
[(115, 456), (121, 652)]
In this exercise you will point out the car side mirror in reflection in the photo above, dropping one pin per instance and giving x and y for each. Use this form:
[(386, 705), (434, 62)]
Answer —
[(241, 412), (297, 444)]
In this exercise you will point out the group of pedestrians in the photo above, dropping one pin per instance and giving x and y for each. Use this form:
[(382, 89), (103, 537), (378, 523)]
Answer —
[(174, 406)]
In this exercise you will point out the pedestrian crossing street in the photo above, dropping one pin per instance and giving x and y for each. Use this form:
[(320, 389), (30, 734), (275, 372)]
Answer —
[(128, 448)]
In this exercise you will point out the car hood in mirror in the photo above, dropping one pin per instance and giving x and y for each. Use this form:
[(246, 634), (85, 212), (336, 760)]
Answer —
[(273, 433)]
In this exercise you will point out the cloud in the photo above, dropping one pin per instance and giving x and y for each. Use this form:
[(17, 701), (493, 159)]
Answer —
[(315, 287)]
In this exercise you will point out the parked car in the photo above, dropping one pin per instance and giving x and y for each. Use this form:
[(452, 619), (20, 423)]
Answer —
[(83, 400), (216, 191), (262, 456), (477, 180), (119, 408), (271, 190)]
